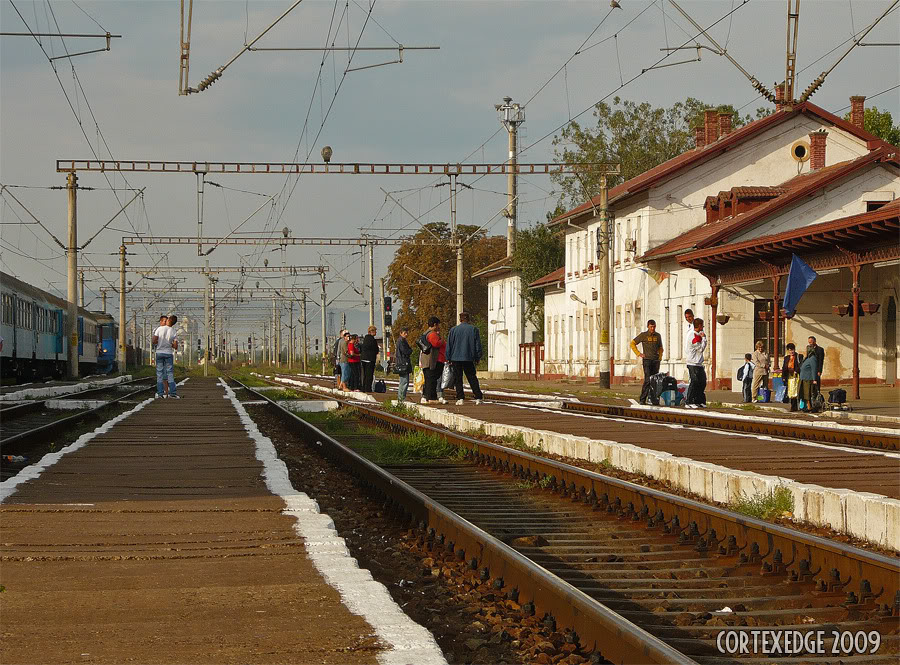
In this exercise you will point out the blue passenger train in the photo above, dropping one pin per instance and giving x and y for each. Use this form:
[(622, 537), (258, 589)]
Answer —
[(33, 329)]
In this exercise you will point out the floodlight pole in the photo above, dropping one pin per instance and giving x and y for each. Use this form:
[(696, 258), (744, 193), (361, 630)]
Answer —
[(72, 275), (372, 285), (324, 344), (207, 309), (122, 355), (457, 243), (305, 338), (511, 116)]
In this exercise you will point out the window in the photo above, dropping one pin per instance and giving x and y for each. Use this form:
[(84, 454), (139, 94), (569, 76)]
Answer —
[(765, 330), (500, 305), (875, 205), (578, 253)]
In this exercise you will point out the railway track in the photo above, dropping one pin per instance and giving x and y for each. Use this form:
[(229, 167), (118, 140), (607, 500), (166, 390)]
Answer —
[(639, 575), (840, 434)]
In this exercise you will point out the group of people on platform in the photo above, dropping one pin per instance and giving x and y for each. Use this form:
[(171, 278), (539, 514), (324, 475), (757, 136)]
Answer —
[(355, 360), (802, 374)]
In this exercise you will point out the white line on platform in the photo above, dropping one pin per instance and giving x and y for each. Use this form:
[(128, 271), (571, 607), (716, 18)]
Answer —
[(409, 642), (71, 389)]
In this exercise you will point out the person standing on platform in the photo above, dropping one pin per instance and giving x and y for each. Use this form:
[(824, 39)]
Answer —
[(464, 352), (808, 374), (336, 355), (343, 355), (403, 364), (813, 349), (790, 374), (166, 344), (163, 323), (354, 360), (745, 376), (760, 369), (651, 342), (696, 392), (433, 363), (368, 356)]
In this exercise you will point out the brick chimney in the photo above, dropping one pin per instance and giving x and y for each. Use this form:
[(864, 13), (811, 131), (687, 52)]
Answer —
[(817, 150), (858, 110), (779, 96), (710, 122), (699, 136), (724, 124)]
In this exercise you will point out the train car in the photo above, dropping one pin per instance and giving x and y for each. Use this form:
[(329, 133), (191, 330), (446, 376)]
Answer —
[(33, 329), (108, 336)]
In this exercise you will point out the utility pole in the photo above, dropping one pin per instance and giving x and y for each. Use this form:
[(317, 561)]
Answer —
[(457, 243), (276, 346), (72, 275), (511, 116), (305, 338), (187, 333), (214, 335), (385, 337), (103, 296), (81, 289), (122, 356), (372, 287), (290, 357), (324, 305), (603, 245), (207, 308)]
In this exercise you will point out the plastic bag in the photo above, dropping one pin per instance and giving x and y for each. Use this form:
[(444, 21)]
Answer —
[(793, 386), (446, 376), (418, 380)]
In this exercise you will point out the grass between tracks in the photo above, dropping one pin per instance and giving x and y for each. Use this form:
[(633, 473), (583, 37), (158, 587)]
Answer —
[(777, 502)]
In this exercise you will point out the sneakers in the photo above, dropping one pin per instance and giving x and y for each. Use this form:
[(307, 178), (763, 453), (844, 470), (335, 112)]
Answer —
[(478, 401), (423, 401), (459, 402), (158, 396), (442, 400), (691, 406), (175, 396)]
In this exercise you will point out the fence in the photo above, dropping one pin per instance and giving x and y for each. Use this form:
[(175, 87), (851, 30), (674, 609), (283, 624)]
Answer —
[(531, 360)]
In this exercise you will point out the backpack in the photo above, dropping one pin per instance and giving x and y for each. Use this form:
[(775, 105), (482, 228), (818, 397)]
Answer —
[(379, 386), (740, 374), (423, 344)]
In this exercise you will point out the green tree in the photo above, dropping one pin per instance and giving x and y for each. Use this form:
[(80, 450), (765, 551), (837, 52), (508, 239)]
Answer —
[(539, 250), (638, 136), (429, 252), (881, 124)]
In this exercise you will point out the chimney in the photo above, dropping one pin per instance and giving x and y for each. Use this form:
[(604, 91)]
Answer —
[(711, 125), (699, 136), (724, 124), (779, 96), (858, 110), (817, 150)]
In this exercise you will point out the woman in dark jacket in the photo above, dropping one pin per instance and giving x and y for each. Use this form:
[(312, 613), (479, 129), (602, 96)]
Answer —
[(368, 356), (790, 367), (403, 364)]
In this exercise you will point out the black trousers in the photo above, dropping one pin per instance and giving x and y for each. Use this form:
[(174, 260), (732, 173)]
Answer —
[(696, 392), (368, 375), (651, 367), (432, 379), (467, 368), (355, 375)]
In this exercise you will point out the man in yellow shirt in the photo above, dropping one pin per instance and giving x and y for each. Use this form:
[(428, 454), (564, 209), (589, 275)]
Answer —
[(652, 354)]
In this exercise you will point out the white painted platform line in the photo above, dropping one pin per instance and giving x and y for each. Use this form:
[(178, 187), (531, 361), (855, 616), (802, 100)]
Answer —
[(53, 391), (8, 486), (408, 641)]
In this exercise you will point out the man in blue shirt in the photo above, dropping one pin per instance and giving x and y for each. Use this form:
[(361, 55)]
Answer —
[(464, 351)]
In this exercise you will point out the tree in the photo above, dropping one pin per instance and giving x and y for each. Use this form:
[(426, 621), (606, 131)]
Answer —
[(436, 260), (638, 136), (881, 124), (539, 250)]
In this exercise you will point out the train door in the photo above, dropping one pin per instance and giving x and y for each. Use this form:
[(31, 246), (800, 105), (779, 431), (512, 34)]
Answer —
[(59, 331), (33, 310), (80, 336)]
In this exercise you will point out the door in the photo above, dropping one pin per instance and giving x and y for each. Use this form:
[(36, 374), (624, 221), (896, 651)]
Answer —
[(80, 336), (890, 341)]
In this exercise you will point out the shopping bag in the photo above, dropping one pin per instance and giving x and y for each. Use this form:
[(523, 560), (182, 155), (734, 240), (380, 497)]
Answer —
[(418, 380), (781, 394), (793, 386), (447, 376)]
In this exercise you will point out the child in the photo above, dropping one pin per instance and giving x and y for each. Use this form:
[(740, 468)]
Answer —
[(745, 374), (696, 395)]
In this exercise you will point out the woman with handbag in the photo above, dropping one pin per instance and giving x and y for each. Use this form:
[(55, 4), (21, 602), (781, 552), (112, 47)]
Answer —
[(790, 374), (433, 363), (403, 364)]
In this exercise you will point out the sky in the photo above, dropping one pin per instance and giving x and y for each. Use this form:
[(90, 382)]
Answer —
[(437, 106)]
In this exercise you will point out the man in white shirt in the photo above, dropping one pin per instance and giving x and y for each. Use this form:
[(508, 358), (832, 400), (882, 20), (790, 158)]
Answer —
[(166, 343), (688, 331), (696, 395)]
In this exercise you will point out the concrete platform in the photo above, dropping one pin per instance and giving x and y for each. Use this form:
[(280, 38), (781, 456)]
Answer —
[(174, 535)]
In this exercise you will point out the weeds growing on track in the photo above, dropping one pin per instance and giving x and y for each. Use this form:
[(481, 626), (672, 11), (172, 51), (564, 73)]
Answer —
[(409, 447), (764, 505)]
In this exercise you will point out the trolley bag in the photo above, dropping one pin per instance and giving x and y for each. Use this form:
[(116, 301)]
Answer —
[(447, 376), (817, 403), (837, 396), (781, 394), (379, 386)]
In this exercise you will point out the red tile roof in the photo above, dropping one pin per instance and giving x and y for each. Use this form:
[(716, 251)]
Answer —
[(794, 189), (699, 155), (782, 243), (558, 275)]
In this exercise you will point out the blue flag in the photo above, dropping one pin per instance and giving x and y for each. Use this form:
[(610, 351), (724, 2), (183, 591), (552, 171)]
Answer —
[(799, 279)]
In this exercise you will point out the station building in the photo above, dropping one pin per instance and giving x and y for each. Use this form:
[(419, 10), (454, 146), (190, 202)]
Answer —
[(713, 230)]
